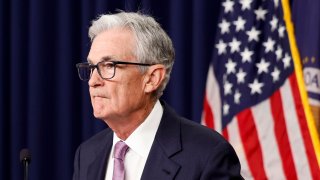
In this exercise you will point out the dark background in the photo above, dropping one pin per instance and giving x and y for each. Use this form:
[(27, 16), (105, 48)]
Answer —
[(43, 104)]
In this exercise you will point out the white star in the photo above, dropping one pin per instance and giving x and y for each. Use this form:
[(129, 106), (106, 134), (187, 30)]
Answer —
[(245, 4), (279, 53), (255, 87), (286, 61), (221, 46), (274, 23), (236, 97), (226, 108), (275, 74), (240, 76), (231, 66), (234, 45), (224, 26), (227, 88), (262, 66), (239, 23), (253, 34), (269, 45), (260, 13), (281, 31), (228, 6), (246, 55)]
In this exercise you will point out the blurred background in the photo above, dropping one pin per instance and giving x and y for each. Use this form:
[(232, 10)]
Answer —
[(46, 108)]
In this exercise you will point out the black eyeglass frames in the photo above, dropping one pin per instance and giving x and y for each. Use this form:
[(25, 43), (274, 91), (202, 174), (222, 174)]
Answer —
[(106, 69)]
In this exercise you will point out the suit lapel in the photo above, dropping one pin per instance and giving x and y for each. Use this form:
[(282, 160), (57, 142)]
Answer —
[(97, 169), (167, 143)]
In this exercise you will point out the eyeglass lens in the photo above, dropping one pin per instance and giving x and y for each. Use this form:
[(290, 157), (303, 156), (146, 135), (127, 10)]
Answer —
[(84, 71), (105, 70)]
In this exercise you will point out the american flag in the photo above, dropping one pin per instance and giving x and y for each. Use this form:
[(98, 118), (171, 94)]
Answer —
[(253, 96)]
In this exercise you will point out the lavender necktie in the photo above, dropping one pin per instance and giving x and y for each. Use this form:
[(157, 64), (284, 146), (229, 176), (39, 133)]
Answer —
[(120, 150)]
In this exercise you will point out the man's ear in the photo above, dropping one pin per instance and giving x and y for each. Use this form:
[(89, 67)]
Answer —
[(154, 77)]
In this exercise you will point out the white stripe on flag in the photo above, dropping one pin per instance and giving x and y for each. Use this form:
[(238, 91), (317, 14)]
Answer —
[(265, 128), (235, 141), (294, 133), (213, 97)]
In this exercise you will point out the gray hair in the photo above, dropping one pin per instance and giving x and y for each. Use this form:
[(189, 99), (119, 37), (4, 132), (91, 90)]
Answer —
[(153, 45)]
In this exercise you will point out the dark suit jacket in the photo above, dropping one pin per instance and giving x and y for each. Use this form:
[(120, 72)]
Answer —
[(182, 150)]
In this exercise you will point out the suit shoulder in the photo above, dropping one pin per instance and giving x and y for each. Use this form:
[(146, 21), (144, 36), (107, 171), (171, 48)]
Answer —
[(203, 134), (189, 130)]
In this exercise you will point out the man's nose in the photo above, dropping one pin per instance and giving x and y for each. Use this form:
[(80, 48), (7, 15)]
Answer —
[(95, 79)]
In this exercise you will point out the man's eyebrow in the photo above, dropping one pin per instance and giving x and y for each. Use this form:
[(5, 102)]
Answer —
[(89, 61), (104, 58), (107, 58)]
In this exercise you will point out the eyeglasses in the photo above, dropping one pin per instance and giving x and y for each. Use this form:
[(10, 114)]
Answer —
[(106, 69)]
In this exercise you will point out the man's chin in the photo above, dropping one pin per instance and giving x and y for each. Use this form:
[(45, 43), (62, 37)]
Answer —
[(98, 114)]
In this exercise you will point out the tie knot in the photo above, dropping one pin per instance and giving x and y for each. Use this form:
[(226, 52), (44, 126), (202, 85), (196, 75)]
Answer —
[(120, 150)]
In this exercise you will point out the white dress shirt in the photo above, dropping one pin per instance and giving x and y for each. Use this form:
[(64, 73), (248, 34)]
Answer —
[(139, 142)]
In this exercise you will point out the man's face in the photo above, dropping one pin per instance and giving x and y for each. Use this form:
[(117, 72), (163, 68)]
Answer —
[(123, 95)]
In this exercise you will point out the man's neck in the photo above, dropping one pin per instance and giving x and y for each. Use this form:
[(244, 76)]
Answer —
[(123, 128)]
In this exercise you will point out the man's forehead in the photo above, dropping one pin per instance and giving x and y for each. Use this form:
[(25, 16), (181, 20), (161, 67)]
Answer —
[(111, 44)]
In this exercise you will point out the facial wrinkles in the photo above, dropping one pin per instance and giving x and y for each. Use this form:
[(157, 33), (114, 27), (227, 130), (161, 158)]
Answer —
[(113, 45), (123, 93), (130, 87)]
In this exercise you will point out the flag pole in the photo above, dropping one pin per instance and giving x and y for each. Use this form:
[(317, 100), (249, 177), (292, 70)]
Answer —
[(299, 75)]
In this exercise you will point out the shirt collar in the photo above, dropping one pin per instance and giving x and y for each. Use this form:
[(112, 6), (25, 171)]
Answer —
[(140, 141)]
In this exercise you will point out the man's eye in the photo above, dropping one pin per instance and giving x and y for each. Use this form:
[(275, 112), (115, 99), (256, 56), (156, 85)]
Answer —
[(107, 65)]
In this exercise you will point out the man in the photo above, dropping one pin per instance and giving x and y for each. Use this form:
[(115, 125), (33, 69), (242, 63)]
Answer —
[(128, 67)]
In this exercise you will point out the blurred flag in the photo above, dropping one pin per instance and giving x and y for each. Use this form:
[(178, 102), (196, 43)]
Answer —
[(255, 95), (306, 20)]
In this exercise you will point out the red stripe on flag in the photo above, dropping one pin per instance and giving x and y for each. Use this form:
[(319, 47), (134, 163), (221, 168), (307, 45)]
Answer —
[(315, 170), (208, 115), (282, 136), (251, 144), (225, 133)]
